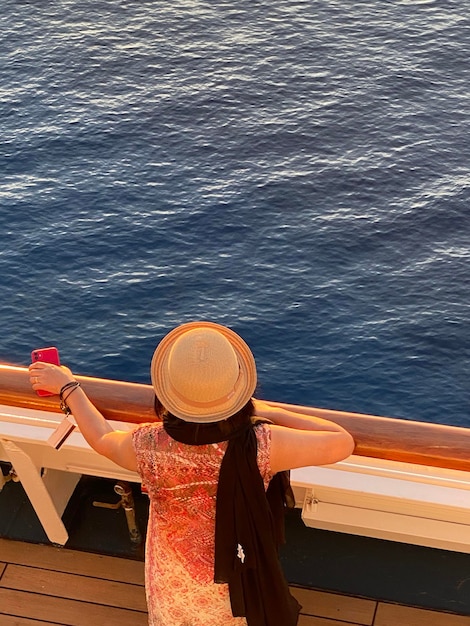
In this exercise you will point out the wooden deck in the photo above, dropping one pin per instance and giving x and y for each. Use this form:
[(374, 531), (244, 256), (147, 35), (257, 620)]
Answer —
[(42, 585)]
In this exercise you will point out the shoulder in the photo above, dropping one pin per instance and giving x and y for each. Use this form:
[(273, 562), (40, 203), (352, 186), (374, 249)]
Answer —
[(263, 433), (146, 436), (263, 456), (145, 441)]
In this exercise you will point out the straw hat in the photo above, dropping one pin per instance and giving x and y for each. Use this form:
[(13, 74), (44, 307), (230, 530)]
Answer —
[(203, 372)]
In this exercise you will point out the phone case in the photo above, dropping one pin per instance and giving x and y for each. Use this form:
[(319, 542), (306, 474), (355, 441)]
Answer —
[(47, 355)]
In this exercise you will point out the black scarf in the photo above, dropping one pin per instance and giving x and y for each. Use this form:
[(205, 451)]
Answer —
[(249, 524)]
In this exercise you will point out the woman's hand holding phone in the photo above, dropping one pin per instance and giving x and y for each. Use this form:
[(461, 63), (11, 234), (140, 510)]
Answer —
[(46, 375)]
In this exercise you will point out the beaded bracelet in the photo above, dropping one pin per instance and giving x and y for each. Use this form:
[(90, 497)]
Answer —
[(74, 384)]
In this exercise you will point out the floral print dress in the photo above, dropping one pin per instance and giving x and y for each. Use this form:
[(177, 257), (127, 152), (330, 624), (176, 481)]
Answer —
[(181, 482)]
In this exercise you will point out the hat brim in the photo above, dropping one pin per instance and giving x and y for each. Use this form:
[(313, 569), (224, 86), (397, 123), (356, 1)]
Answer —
[(196, 411)]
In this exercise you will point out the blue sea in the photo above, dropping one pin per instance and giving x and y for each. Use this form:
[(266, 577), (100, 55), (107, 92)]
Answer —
[(297, 170)]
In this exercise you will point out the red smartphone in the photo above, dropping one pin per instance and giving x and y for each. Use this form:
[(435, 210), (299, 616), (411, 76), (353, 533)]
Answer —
[(47, 355)]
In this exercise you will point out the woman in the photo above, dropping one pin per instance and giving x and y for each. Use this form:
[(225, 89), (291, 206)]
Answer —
[(211, 551)]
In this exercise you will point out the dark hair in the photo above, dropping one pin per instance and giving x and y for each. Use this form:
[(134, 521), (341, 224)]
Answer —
[(158, 407), (226, 427), (239, 418)]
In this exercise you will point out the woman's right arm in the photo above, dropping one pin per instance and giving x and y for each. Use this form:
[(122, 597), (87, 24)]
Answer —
[(116, 445), (290, 418)]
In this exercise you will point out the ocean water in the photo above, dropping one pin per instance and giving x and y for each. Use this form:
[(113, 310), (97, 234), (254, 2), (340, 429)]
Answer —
[(296, 170)]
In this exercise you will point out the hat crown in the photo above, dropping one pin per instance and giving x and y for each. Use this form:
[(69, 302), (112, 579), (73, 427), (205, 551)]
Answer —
[(203, 372), (203, 366)]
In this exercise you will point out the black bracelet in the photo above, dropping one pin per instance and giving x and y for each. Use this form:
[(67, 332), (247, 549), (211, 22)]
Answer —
[(72, 383), (63, 401)]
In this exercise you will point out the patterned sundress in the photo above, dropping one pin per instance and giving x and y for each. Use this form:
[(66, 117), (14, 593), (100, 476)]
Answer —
[(181, 482)]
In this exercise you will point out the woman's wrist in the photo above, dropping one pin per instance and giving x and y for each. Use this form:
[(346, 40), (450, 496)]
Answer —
[(68, 385), (65, 393)]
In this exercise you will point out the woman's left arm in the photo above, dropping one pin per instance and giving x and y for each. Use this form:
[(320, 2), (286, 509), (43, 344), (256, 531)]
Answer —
[(300, 440)]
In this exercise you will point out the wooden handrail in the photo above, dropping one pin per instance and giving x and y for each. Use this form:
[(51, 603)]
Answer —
[(116, 400), (423, 443)]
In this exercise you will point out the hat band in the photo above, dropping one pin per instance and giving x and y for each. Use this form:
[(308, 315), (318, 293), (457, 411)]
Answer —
[(211, 403)]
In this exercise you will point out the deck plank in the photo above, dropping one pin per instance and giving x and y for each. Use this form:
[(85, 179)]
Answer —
[(72, 561), (42, 585), (334, 606), (65, 612), (393, 614), (308, 620), (8, 620), (74, 587)]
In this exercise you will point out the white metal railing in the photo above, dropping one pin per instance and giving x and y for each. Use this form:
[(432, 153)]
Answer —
[(366, 496), (49, 476), (387, 500)]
